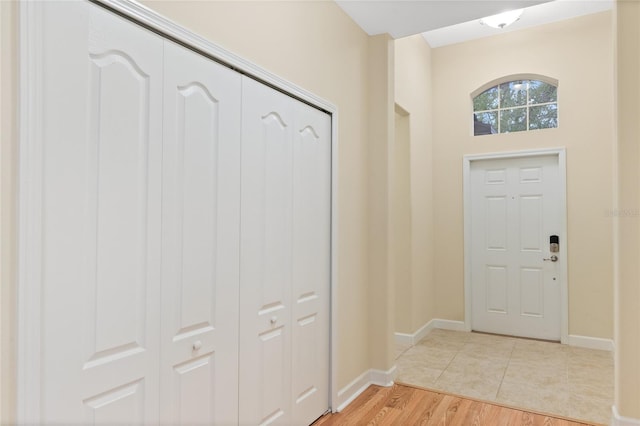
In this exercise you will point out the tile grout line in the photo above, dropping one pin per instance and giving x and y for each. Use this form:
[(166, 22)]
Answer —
[(404, 351), (505, 370), (454, 357), (445, 368)]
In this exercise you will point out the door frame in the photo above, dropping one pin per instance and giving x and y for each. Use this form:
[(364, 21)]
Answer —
[(561, 156), (30, 146)]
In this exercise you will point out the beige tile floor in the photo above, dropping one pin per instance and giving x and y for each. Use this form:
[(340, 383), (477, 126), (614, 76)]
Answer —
[(541, 376)]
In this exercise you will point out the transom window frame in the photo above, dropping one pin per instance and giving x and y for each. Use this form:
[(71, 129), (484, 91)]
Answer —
[(512, 78)]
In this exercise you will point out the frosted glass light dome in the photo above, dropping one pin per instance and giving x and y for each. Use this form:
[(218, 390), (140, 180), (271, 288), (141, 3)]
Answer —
[(502, 20)]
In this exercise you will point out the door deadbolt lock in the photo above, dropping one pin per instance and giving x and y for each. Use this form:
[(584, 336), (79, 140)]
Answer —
[(553, 258)]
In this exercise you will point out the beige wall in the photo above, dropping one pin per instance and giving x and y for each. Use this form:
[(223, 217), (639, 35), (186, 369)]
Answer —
[(627, 300), (415, 304), (8, 152), (381, 191), (579, 54), (315, 45), (401, 227)]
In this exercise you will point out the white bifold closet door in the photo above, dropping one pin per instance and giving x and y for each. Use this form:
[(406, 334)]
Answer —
[(285, 259), (185, 235), (101, 218), (200, 240), (140, 215)]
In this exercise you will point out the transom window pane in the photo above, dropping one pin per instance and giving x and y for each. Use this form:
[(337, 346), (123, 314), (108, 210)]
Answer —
[(516, 106), (485, 123), (486, 100), (541, 92), (513, 120), (543, 116), (513, 93)]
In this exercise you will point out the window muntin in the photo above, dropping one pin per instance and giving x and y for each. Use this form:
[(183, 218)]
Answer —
[(516, 106)]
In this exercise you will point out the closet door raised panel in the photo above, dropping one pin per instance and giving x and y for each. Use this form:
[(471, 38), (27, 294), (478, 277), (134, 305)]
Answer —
[(100, 216), (311, 263), (201, 213), (266, 256)]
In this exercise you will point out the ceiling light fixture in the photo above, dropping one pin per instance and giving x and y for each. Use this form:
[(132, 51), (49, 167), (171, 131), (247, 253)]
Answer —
[(502, 20)]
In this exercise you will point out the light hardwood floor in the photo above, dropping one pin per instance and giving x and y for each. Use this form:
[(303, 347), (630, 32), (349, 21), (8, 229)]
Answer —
[(407, 405)]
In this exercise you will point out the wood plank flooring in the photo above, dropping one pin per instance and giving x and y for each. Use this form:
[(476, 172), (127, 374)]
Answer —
[(406, 405)]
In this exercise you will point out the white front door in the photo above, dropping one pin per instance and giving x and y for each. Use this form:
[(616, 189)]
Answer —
[(515, 209), (200, 240), (285, 247)]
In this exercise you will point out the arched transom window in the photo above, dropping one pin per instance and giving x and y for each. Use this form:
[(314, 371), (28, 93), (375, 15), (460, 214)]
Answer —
[(516, 106)]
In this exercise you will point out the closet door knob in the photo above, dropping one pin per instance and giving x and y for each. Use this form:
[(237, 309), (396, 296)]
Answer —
[(274, 319), (197, 345)]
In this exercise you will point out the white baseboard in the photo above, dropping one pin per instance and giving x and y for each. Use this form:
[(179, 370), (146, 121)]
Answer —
[(450, 325), (350, 392), (591, 342), (404, 339), (370, 377), (573, 340), (618, 420), (384, 378), (412, 339)]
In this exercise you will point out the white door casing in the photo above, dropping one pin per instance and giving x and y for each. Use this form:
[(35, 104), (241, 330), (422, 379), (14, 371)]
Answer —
[(513, 204), (101, 163), (200, 240), (285, 249)]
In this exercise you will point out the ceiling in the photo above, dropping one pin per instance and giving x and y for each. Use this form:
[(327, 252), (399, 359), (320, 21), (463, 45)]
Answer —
[(444, 22)]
